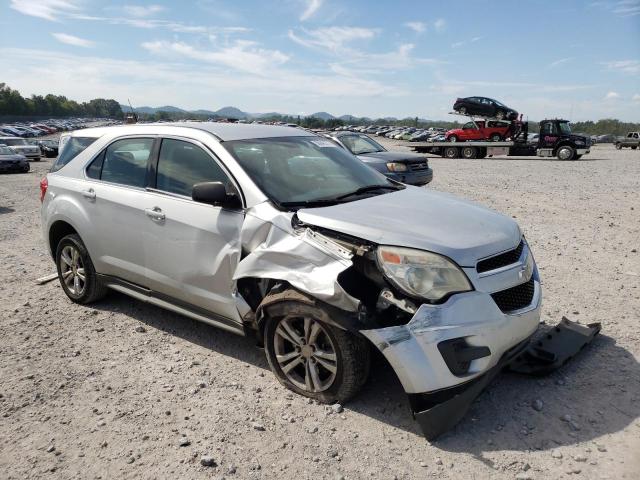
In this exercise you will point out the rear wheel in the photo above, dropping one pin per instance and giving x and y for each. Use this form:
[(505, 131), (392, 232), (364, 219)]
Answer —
[(451, 152), (311, 357), (565, 152), (469, 152), (495, 137), (76, 273)]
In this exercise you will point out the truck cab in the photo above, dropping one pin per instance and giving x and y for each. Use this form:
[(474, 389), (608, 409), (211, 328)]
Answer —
[(557, 140)]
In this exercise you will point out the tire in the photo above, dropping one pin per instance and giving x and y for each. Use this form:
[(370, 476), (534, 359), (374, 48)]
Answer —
[(634, 147), (565, 152), (451, 152), (462, 110), (496, 137), (500, 115), (26, 168), (452, 138), (469, 152), (618, 146), (347, 354), (71, 257)]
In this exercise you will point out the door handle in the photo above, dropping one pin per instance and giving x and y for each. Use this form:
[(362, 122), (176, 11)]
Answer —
[(90, 194), (154, 213)]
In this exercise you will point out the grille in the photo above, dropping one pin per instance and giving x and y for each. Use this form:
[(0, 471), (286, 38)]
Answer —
[(416, 167), (502, 260), (515, 298)]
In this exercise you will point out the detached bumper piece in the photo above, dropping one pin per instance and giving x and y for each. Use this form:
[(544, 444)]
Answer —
[(438, 412), (555, 348)]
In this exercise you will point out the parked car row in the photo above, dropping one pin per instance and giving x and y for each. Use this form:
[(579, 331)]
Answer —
[(45, 127), (411, 134)]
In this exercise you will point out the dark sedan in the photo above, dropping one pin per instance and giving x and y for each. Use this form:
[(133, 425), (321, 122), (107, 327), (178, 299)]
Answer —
[(486, 107), (410, 168), (11, 161), (49, 148)]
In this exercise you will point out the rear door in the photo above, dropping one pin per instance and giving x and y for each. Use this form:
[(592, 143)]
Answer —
[(114, 197), (193, 249)]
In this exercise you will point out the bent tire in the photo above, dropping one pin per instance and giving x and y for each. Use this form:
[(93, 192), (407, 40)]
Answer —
[(565, 152), (312, 357), (76, 272)]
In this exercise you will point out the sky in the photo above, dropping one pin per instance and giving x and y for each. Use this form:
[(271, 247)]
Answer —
[(571, 58)]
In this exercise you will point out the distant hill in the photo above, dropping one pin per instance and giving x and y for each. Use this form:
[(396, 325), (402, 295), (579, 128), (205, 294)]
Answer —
[(322, 115), (231, 112)]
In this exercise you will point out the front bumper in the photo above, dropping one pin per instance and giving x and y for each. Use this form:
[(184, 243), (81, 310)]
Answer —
[(14, 166), (421, 177), (582, 151)]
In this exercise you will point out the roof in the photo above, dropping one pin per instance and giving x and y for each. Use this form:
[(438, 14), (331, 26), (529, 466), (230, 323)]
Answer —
[(223, 131)]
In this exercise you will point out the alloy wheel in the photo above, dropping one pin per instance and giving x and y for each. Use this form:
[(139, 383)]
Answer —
[(72, 270), (305, 353)]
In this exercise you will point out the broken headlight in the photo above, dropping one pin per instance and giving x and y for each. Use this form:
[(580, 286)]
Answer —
[(422, 274)]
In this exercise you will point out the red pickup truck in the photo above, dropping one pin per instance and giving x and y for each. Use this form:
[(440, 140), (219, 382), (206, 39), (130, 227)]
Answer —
[(493, 130)]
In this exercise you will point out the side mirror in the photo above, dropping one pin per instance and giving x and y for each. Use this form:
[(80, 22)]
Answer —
[(215, 193)]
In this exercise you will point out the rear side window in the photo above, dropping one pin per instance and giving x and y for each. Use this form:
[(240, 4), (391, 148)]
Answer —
[(181, 165), (71, 149), (124, 162)]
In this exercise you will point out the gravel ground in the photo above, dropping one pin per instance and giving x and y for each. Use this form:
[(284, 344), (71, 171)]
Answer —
[(122, 389)]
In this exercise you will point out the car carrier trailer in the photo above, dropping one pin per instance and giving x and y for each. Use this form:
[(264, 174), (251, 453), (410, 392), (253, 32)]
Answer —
[(555, 140)]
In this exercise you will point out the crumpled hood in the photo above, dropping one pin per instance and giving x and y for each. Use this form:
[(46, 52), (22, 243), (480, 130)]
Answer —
[(422, 219), (404, 157)]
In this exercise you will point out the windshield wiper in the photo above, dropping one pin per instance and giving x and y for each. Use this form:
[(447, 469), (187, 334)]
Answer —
[(368, 188), (310, 203)]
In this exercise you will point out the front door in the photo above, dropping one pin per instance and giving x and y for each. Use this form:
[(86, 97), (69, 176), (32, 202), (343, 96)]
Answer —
[(549, 135), (192, 248)]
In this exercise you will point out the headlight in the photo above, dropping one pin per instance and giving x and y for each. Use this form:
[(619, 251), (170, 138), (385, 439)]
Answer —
[(396, 167), (422, 274), (579, 142)]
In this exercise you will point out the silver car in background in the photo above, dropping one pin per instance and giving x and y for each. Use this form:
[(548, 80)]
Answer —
[(21, 146), (281, 234)]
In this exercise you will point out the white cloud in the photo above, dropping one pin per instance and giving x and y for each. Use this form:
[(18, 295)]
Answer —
[(333, 39), (636, 97), (242, 55), (457, 44), (73, 40), (560, 62), (312, 7), (142, 10), (624, 66), (612, 95), (47, 9), (476, 39), (627, 8), (440, 24), (418, 27)]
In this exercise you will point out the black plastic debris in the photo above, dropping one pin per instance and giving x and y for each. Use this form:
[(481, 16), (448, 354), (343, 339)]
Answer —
[(555, 348)]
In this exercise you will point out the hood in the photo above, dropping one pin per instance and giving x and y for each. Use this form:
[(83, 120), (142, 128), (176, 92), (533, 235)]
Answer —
[(403, 157), (422, 219)]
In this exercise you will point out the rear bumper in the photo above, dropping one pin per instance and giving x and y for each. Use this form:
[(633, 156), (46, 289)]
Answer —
[(421, 177)]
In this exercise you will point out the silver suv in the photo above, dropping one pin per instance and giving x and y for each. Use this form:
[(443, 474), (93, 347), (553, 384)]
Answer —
[(278, 233)]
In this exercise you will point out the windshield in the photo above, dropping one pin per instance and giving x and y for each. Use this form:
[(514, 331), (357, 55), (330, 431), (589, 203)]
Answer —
[(6, 150), (565, 128), (361, 144), (14, 141), (498, 103), (306, 171)]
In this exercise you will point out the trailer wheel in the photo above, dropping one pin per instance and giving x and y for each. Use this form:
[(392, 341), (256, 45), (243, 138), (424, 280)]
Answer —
[(469, 152), (451, 152), (496, 137), (565, 152)]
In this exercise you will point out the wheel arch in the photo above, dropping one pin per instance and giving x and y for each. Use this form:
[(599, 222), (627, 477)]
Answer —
[(57, 231)]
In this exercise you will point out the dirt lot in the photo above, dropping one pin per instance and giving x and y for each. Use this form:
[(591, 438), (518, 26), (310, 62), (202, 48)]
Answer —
[(126, 390)]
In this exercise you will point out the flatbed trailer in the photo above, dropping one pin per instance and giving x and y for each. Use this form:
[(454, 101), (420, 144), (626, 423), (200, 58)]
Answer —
[(554, 140)]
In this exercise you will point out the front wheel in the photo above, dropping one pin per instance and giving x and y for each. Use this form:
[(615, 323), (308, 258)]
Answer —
[(634, 147), (76, 273), (565, 152), (452, 138), (618, 146), (311, 357)]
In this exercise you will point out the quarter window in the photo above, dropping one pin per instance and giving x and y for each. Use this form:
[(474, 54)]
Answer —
[(182, 164), (125, 162)]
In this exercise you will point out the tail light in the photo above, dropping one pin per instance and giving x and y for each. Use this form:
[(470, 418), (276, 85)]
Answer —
[(44, 183)]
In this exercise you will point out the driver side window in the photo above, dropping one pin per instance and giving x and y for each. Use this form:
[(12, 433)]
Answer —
[(182, 164)]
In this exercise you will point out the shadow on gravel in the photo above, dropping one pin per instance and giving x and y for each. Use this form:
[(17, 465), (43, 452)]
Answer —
[(595, 394), (6, 210)]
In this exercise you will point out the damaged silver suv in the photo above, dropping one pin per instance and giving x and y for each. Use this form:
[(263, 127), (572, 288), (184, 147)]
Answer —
[(279, 233)]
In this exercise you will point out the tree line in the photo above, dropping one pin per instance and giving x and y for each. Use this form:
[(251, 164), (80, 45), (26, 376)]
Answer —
[(13, 103)]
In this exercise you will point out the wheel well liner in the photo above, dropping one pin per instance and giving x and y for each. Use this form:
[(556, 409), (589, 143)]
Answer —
[(57, 231)]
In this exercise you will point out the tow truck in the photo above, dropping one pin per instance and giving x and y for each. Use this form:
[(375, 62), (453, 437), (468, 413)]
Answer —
[(554, 140)]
